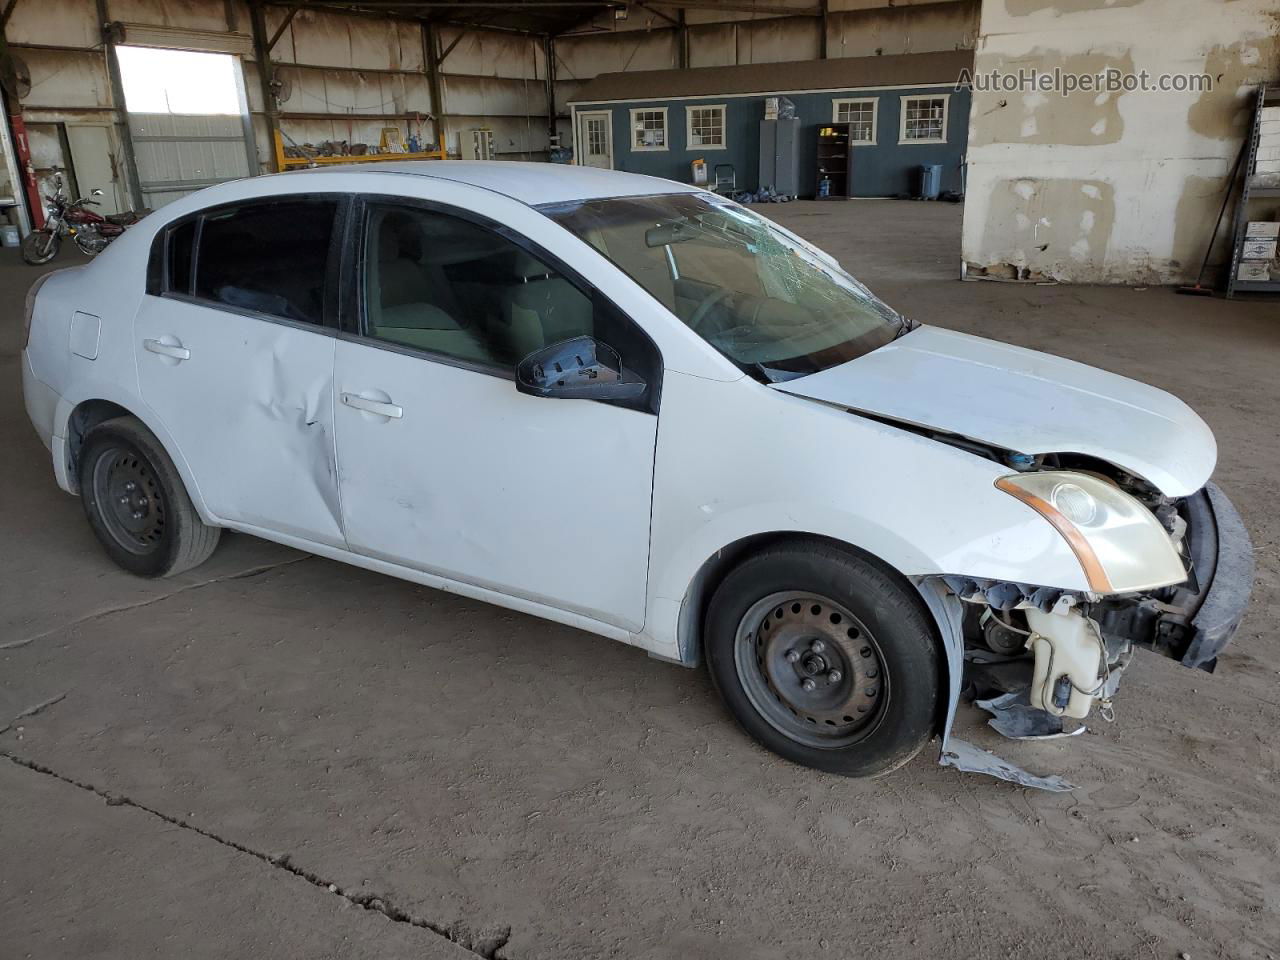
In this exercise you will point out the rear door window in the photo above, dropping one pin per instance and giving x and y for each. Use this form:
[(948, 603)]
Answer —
[(268, 257)]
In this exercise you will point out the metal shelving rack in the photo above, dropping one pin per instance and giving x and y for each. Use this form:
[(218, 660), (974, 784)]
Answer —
[(1249, 193), (286, 163), (835, 160)]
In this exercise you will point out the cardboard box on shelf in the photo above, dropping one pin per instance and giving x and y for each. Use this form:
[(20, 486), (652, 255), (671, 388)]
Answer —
[(1262, 229), (1258, 249), (1254, 270)]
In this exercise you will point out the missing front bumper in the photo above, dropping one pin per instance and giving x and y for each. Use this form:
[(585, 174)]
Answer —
[(1193, 622)]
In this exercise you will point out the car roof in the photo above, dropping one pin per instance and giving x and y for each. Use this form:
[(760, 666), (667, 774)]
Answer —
[(531, 183)]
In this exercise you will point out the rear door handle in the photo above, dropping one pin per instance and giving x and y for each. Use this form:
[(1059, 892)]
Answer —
[(175, 350), (358, 402)]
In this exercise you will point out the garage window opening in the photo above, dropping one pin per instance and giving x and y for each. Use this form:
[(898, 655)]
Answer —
[(706, 128), (649, 129), (924, 120), (179, 82), (861, 117)]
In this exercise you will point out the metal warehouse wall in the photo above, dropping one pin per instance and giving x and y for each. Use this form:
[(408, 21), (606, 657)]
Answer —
[(346, 76), (1110, 188), (882, 169)]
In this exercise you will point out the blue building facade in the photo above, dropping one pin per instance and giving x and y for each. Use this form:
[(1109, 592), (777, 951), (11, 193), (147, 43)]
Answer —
[(886, 167)]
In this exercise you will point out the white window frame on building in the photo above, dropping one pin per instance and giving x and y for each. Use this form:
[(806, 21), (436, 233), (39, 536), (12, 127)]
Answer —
[(636, 144), (719, 110), (902, 113), (858, 101)]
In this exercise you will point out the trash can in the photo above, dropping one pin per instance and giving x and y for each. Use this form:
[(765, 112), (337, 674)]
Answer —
[(9, 235), (929, 182)]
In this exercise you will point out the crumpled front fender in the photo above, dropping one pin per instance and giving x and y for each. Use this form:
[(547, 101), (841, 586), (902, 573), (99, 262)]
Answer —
[(948, 615)]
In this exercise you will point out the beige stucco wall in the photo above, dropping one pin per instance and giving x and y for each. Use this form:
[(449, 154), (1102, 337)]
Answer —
[(1109, 188)]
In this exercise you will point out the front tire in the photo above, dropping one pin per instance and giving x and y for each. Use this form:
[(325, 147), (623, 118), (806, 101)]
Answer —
[(137, 504), (824, 658), (40, 246)]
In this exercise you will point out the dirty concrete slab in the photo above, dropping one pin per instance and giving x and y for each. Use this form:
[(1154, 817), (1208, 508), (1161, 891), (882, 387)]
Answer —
[(478, 767), (111, 880)]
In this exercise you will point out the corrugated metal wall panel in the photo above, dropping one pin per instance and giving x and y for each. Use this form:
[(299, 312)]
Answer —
[(837, 5), (345, 92), (713, 45), (582, 58), (565, 91), (185, 14), (65, 79), (488, 53), (494, 96), (64, 23), (333, 40), (777, 41), (896, 30)]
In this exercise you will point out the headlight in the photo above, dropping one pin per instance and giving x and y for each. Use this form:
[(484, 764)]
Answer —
[(1119, 542)]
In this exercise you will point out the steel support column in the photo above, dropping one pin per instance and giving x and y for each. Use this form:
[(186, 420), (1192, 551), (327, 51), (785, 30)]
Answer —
[(262, 54), (120, 110)]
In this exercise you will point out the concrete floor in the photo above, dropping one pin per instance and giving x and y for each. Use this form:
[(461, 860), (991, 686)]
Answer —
[(230, 743)]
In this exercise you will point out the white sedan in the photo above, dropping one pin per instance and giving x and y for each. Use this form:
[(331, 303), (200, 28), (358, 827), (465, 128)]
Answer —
[(635, 407)]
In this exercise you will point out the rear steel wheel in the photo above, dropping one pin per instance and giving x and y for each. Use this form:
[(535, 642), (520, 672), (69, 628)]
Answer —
[(811, 668), (133, 507), (136, 503)]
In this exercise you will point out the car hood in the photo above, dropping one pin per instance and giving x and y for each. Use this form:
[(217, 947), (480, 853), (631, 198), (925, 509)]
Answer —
[(1025, 401)]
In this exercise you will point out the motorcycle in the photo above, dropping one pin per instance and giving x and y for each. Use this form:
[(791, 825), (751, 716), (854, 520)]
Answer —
[(90, 230)]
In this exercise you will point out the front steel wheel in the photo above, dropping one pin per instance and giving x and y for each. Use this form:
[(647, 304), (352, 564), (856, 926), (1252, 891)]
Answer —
[(811, 668), (824, 657)]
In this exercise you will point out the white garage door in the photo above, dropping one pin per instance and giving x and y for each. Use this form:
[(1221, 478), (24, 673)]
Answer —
[(177, 153), (187, 120)]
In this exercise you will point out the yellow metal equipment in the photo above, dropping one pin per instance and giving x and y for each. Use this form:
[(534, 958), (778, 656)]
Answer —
[(284, 163)]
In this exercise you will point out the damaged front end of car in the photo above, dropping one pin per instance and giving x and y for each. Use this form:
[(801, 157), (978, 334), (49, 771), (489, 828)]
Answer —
[(1172, 575)]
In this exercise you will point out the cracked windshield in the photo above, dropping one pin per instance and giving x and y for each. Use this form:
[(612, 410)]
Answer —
[(765, 300)]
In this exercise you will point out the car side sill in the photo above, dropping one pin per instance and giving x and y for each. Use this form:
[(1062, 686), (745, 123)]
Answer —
[(518, 604)]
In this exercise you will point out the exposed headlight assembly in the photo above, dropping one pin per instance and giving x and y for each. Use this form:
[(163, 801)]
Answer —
[(1119, 542)]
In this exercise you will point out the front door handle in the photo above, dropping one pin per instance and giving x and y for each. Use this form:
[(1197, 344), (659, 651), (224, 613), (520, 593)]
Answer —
[(175, 350), (358, 402)]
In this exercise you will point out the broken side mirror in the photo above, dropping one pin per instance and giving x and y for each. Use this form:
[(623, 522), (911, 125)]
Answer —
[(579, 369)]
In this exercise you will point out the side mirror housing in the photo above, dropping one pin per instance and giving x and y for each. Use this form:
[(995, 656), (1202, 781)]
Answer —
[(582, 368)]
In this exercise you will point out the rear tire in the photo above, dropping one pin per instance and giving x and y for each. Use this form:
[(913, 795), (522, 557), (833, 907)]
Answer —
[(137, 504), (824, 658), (40, 246)]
